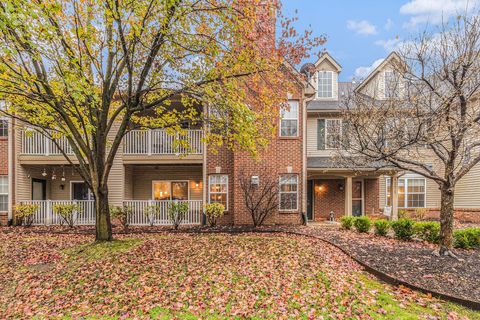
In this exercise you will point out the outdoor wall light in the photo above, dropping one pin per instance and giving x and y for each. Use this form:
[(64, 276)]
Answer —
[(340, 187), (321, 188)]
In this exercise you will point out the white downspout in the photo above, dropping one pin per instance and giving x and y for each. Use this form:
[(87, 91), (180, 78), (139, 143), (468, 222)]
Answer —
[(11, 139), (304, 147)]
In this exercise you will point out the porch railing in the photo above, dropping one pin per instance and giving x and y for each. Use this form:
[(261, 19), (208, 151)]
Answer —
[(46, 216), (35, 143), (86, 215), (140, 216), (155, 142)]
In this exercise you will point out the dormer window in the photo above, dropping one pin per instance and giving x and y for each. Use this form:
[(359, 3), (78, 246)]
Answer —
[(325, 84)]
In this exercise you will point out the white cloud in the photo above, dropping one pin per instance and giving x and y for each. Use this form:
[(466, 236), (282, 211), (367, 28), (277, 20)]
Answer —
[(390, 44), (389, 24), (362, 27), (433, 11), (363, 72)]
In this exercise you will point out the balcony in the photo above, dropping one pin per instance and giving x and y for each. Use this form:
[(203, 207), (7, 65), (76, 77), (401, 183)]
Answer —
[(157, 146), (35, 143)]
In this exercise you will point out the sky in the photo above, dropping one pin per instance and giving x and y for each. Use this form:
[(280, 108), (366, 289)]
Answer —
[(360, 33)]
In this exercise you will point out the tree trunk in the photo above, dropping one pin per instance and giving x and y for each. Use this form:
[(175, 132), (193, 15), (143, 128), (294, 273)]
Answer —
[(446, 220), (103, 226)]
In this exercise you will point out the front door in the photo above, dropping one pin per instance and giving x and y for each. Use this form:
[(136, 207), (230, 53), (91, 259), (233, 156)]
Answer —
[(357, 198), (310, 189), (39, 189)]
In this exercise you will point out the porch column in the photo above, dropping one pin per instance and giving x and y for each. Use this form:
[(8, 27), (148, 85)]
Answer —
[(394, 197), (348, 196)]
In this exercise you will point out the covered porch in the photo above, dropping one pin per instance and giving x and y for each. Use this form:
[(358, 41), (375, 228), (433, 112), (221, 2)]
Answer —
[(141, 188)]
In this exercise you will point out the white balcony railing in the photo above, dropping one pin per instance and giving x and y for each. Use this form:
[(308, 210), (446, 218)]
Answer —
[(86, 215), (157, 142), (140, 216), (35, 143), (45, 215)]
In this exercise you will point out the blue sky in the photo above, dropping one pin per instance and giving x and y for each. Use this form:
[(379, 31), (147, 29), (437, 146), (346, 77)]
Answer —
[(362, 32)]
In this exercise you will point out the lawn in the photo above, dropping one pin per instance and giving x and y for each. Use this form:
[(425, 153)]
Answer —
[(208, 276)]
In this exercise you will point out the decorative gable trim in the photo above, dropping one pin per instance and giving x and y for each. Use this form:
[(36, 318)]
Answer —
[(329, 58)]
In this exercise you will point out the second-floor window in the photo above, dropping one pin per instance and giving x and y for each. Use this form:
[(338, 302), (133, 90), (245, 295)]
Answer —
[(3, 127), (289, 120), (325, 84), (329, 134)]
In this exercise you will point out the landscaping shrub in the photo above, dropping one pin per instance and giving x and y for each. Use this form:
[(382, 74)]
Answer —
[(24, 214), (403, 228), (67, 212), (152, 212), (428, 231), (403, 214), (466, 238), (420, 213), (347, 222), (213, 211), (122, 214), (381, 227), (176, 212), (362, 224)]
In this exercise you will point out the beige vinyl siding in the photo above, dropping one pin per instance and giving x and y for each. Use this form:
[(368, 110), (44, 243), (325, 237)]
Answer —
[(56, 191), (128, 191), (467, 192), (143, 176), (432, 193)]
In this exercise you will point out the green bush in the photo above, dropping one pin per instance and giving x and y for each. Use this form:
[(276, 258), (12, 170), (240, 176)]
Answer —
[(362, 224), (213, 211), (403, 228), (466, 238), (67, 212), (403, 214), (347, 222), (381, 227), (25, 213), (122, 214), (176, 212), (428, 231)]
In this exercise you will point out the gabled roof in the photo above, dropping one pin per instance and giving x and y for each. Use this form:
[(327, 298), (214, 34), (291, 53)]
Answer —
[(388, 59), (327, 56)]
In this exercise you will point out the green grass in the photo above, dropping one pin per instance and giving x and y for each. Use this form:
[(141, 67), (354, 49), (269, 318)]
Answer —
[(99, 250)]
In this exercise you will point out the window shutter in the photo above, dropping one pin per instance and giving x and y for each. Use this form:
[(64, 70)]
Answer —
[(321, 134)]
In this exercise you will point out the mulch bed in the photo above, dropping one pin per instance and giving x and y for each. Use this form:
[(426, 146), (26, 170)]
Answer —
[(412, 262)]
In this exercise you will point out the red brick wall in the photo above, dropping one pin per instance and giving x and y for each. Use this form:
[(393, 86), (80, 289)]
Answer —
[(328, 197)]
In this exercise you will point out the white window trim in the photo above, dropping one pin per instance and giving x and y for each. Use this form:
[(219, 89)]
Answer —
[(326, 131), (318, 83), (406, 177), (226, 192), (5, 194), (280, 192), (170, 182), (296, 118)]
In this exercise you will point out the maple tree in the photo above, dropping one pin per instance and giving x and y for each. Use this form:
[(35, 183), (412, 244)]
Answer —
[(429, 121), (91, 71)]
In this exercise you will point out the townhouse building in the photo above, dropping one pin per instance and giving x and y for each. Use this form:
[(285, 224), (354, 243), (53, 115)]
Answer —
[(150, 169)]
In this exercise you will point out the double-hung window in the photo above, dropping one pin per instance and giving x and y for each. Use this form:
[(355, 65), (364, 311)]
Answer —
[(3, 127), (3, 193), (289, 120), (325, 84), (333, 133), (288, 192), (218, 189), (411, 192)]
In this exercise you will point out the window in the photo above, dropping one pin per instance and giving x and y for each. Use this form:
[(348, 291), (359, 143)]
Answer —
[(218, 191), (170, 190), (333, 133), (289, 120), (325, 84), (288, 192), (81, 191), (411, 192), (3, 127), (3, 193)]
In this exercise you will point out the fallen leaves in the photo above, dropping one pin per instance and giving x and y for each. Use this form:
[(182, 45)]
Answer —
[(201, 276)]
